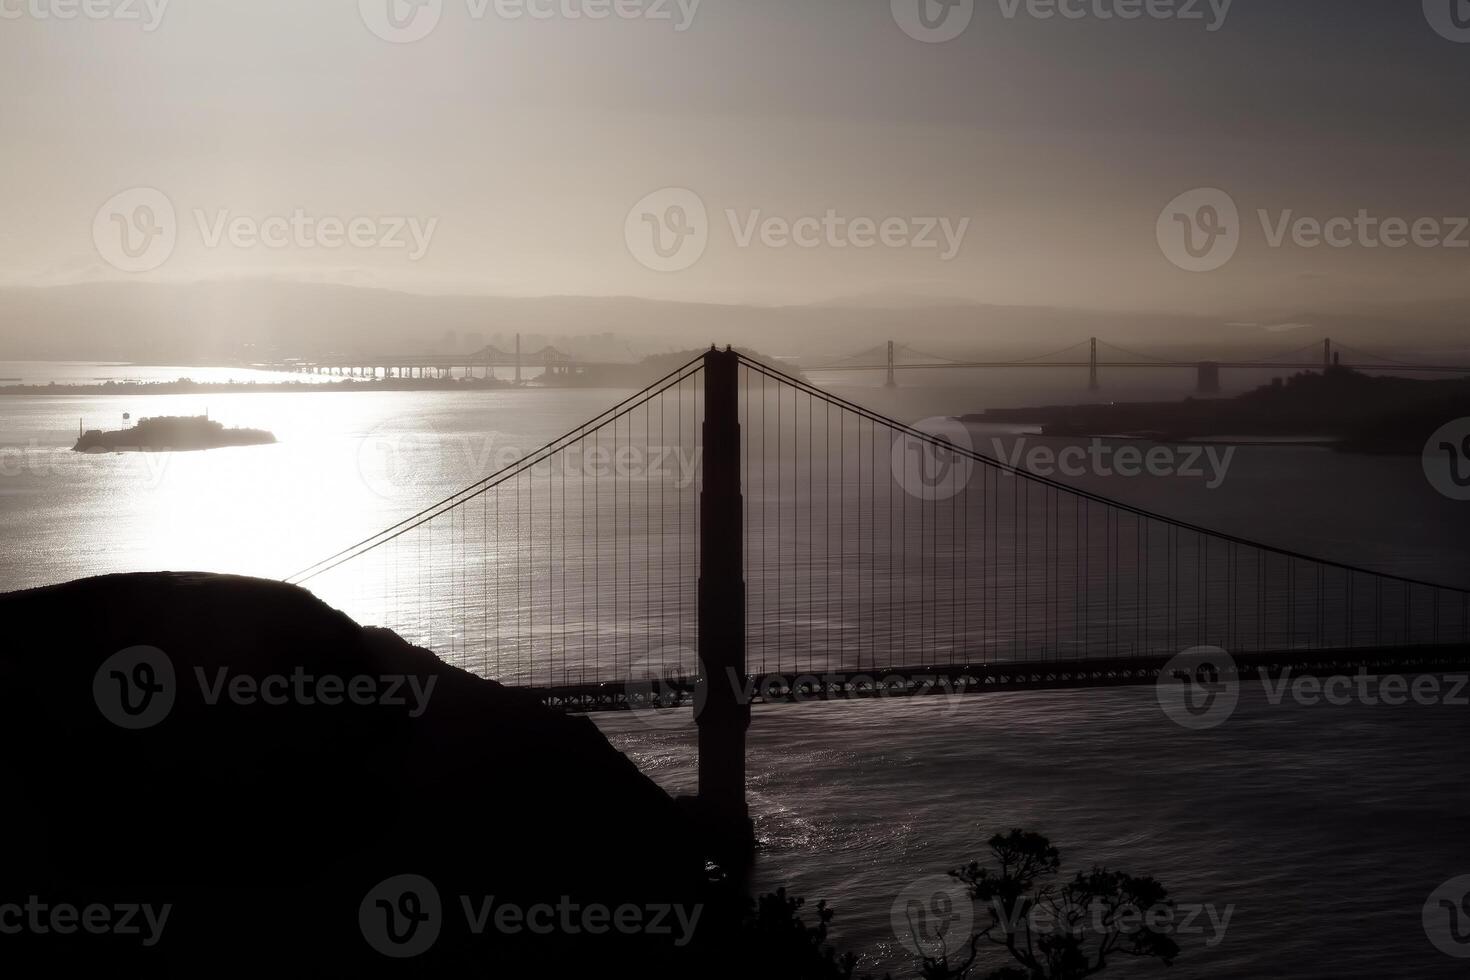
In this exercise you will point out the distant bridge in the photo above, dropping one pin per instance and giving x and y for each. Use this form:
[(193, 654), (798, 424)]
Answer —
[(555, 364), (1207, 372)]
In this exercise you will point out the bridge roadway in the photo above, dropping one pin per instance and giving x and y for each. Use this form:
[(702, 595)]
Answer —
[(1207, 370), (999, 676)]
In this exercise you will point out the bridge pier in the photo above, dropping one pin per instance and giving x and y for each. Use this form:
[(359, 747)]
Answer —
[(1207, 378), (720, 710)]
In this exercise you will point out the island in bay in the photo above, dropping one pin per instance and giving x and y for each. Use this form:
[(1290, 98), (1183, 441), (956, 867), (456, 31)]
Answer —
[(172, 433)]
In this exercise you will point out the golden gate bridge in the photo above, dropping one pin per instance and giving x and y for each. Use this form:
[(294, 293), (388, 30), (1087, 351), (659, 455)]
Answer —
[(820, 549)]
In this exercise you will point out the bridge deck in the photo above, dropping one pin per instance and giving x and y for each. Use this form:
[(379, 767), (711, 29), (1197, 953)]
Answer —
[(989, 677)]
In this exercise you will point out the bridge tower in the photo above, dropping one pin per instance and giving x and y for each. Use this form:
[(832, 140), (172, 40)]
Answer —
[(1092, 384), (892, 381), (1326, 355), (720, 710), (518, 358), (1207, 378)]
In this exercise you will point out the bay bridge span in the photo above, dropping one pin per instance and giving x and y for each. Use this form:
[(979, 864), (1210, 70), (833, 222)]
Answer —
[(552, 365), (896, 358), (483, 362), (819, 549)]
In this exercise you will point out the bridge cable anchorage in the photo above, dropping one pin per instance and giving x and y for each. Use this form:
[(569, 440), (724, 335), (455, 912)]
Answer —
[(877, 559)]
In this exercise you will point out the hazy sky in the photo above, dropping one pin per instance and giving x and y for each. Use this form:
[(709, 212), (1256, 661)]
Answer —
[(517, 146)]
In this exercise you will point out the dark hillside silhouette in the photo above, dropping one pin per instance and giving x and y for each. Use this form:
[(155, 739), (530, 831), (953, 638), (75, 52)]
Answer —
[(265, 826)]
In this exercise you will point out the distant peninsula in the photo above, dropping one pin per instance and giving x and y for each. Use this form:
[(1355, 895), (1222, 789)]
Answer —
[(1352, 411)]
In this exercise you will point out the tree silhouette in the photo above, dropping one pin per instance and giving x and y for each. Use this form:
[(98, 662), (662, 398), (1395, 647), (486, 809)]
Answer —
[(784, 947), (1054, 931)]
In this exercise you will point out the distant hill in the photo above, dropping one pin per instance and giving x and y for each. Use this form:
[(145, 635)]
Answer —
[(246, 321), (1361, 412)]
